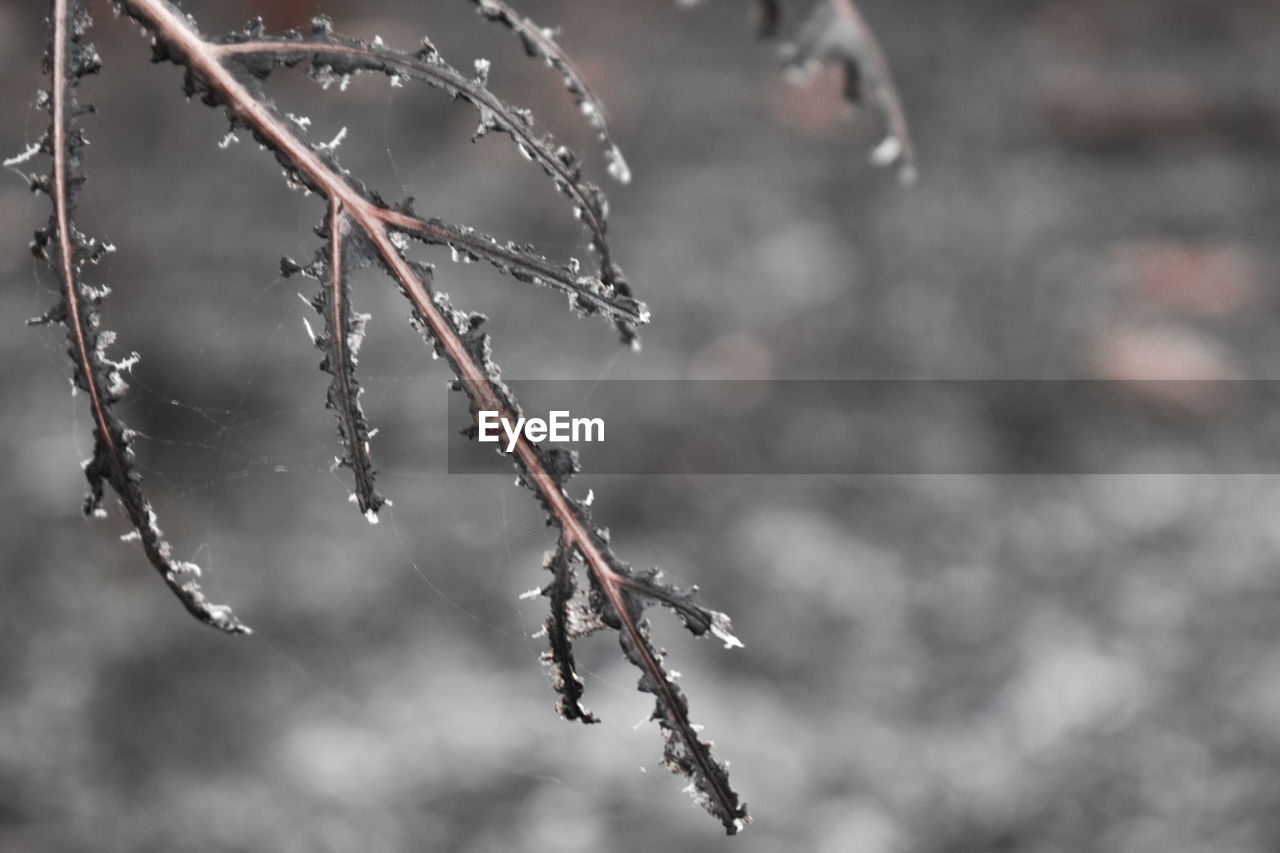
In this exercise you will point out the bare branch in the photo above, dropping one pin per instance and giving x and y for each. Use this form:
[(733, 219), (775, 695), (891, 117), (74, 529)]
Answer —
[(328, 57), (67, 252), (571, 618), (836, 32), (587, 294), (343, 333), (360, 228), (540, 42)]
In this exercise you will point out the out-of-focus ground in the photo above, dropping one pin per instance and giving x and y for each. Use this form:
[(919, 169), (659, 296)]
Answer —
[(948, 663)]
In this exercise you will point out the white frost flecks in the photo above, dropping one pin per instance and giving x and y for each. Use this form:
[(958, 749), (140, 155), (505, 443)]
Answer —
[(617, 165), (723, 629), (332, 145), (889, 149), (23, 156), (127, 364), (355, 338)]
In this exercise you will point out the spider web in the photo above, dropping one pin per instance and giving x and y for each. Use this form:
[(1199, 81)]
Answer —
[(237, 447)]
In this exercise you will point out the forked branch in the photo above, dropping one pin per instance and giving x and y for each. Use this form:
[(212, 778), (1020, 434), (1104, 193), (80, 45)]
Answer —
[(359, 228), (254, 54), (68, 252)]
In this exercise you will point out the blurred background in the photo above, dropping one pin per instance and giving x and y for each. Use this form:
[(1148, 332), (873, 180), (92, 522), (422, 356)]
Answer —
[(932, 663)]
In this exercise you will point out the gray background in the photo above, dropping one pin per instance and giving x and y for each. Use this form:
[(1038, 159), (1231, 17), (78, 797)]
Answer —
[(931, 663)]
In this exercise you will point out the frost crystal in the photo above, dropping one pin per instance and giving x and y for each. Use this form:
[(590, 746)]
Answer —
[(617, 166), (723, 629), (26, 154), (332, 145), (887, 151)]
